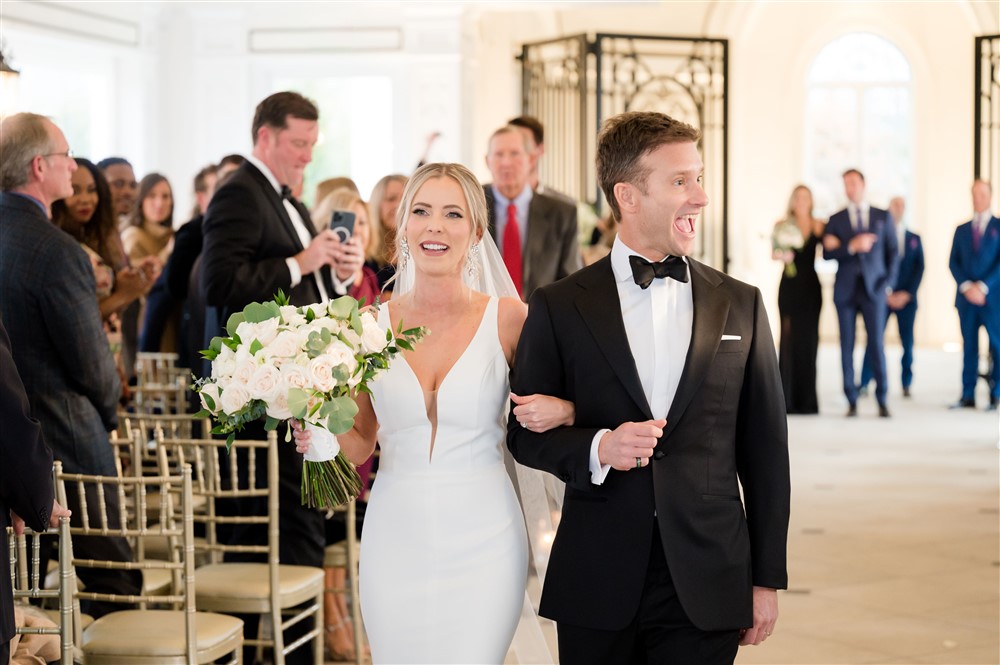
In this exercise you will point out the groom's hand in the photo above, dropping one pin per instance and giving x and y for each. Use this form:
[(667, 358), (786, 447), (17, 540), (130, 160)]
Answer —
[(630, 441)]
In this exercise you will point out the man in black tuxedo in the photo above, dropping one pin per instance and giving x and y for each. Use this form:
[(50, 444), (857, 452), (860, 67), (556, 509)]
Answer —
[(679, 406), (26, 492), (259, 239), (536, 233)]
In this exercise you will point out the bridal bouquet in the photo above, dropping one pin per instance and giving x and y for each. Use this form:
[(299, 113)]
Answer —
[(280, 362), (787, 237)]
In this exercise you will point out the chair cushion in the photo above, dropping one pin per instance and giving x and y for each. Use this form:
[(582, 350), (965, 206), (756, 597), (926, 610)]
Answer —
[(243, 587), (156, 581), (159, 634), (335, 556)]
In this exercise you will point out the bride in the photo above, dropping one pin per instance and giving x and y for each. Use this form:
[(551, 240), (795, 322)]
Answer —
[(444, 553)]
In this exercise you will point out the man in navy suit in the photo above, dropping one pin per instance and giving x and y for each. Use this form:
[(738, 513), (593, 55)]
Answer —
[(975, 264), (902, 301), (863, 241)]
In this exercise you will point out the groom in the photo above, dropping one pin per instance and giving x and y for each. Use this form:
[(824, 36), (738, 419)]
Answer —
[(679, 405)]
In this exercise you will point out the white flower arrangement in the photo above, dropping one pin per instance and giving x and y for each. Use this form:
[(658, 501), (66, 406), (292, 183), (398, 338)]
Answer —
[(281, 362), (787, 237)]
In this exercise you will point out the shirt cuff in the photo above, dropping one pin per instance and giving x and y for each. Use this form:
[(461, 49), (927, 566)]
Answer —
[(294, 270), (598, 471), (982, 287)]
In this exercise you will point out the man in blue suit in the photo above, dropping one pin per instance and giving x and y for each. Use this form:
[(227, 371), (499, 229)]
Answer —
[(863, 241), (902, 301), (975, 264)]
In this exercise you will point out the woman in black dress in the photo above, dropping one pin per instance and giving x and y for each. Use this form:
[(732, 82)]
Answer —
[(799, 301)]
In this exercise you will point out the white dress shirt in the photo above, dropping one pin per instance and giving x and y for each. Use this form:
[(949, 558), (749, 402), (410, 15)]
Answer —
[(658, 323), (856, 209), (300, 229)]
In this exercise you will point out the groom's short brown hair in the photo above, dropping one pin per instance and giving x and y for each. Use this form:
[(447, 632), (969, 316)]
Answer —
[(625, 139)]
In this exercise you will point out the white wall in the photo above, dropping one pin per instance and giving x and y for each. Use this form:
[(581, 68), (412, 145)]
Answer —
[(183, 79)]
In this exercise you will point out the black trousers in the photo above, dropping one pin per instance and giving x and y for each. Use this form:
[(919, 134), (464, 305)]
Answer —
[(660, 633)]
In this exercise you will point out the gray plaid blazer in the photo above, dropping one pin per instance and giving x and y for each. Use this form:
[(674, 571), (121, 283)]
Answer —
[(49, 307)]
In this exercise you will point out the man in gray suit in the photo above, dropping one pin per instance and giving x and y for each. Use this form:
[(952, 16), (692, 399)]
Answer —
[(536, 233), (48, 303)]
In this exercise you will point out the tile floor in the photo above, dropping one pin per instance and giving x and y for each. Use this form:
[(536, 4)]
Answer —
[(894, 542)]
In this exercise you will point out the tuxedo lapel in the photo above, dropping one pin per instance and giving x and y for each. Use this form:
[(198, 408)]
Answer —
[(601, 310), (710, 314), (278, 206)]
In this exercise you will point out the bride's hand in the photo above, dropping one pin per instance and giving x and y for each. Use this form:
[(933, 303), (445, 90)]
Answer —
[(540, 413), (302, 437)]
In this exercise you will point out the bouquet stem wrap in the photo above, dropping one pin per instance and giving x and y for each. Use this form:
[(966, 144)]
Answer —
[(328, 478)]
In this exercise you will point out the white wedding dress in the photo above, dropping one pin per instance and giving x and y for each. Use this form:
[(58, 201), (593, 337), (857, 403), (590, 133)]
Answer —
[(444, 554)]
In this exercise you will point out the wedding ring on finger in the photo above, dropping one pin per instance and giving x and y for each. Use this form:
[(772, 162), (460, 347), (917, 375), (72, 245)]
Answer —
[(638, 462)]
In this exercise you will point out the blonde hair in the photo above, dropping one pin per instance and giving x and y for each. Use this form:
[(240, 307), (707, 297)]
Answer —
[(384, 240), (471, 188), (343, 199), (791, 201)]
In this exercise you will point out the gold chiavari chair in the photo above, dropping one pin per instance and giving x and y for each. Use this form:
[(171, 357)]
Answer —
[(286, 594), (345, 555), (28, 583), (153, 636)]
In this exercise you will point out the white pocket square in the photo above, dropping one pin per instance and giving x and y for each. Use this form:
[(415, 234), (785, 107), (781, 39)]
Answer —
[(734, 338)]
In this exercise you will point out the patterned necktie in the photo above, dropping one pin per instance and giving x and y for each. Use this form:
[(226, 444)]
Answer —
[(644, 272), (512, 248)]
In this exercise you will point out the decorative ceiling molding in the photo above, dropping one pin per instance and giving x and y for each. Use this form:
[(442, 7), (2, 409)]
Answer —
[(324, 40), (72, 20)]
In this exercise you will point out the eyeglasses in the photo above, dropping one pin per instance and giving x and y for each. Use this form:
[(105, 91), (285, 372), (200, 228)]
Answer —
[(67, 153)]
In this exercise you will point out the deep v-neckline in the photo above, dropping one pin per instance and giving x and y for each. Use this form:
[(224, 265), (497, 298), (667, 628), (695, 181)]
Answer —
[(431, 396), (465, 351)]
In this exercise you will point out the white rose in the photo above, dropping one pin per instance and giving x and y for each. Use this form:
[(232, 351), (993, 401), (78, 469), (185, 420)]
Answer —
[(285, 345), (266, 383), (264, 332), (353, 338), (245, 367), (320, 372), (277, 407), (342, 355), (234, 398), (373, 337), (224, 364), (333, 325), (295, 376), (212, 391), (290, 315)]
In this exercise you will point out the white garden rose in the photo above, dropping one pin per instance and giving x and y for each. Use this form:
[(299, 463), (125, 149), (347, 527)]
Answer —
[(264, 332), (277, 406), (373, 337), (320, 372), (213, 391), (295, 376), (234, 398), (224, 364), (353, 338), (245, 367), (287, 344), (266, 383), (290, 315), (342, 355)]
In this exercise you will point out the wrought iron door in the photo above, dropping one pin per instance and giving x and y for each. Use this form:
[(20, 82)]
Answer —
[(574, 83), (987, 113)]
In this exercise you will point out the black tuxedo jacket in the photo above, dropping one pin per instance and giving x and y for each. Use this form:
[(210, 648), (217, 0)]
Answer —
[(247, 237), (25, 472), (551, 250), (725, 430)]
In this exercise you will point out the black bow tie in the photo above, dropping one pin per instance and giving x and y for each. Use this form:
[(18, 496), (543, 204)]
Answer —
[(643, 272), (286, 193)]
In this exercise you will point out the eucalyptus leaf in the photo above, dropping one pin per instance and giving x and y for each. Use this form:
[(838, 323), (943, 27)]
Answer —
[(342, 412), (234, 321), (256, 312), (298, 402)]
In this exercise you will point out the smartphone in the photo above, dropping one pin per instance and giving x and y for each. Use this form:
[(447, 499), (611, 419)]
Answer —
[(342, 223)]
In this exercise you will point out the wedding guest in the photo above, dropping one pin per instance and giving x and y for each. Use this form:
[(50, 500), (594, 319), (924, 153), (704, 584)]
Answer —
[(799, 301), (975, 265), (27, 494), (863, 240), (151, 233), (536, 233), (902, 301), (230, 163), (177, 272), (330, 185), (383, 205), (59, 347), (121, 179)]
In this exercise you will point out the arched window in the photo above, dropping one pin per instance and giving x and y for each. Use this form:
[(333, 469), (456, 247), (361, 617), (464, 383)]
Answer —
[(859, 114)]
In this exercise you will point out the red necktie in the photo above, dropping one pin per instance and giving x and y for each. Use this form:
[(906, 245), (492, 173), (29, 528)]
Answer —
[(512, 247)]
